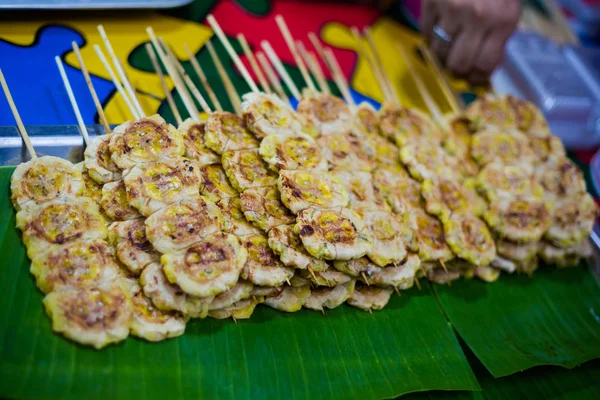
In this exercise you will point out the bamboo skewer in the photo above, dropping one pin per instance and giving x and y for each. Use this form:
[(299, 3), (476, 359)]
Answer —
[(289, 40), (186, 78), (90, 85), (116, 82), (314, 67), (187, 101), (339, 77), (379, 63), (262, 59), (200, 72), (233, 95), (15, 113), (63, 75), (431, 106), (250, 56), (362, 51), (215, 26), (453, 101), (280, 69), (163, 83), (120, 71)]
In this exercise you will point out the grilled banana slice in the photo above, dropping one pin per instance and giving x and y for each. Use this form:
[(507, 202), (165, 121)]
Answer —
[(459, 130), (487, 274), (357, 267), (288, 246), (430, 236), (518, 219), (242, 290), (437, 274), (91, 316), (333, 234), (156, 185), (397, 188), (511, 147), (292, 152), (150, 323), (290, 299), (366, 119), (572, 220), (565, 256), (115, 202), (131, 244), (499, 180), (322, 297), (263, 267), (44, 179), (91, 188), (405, 125), (214, 184), (359, 185), (443, 197), (234, 221), (470, 239), (516, 251), (401, 276), (61, 221), (246, 169), (560, 179), (330, 114), (207, 268), (426, 161), (182, 224), (548, 148), (225, 131), (348, 150), (98, 160), (389, 233), (303, 189), (329, 277), (263, 207), (267, 114), (146, 140), (242, 309), (167, 296), (193, 139), (386, 153), (529, 119), (491, 112), (80, 264), (369, 298)]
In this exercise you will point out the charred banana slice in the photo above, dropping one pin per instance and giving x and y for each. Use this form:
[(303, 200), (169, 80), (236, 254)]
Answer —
[(443, 197), (389, 235), (263, 267), (528, 117), (207, 268), (246, 169), (386, 153), (322, 297), (509, 148), (90, 316), (148, 139), (329, 277), (548, 149), (330, 114), (499, 180), (263, 207), (366, 119), (290, 299), (79, 264), (348, 150), (287, 244), (266, 114), (91, 188), (225, 131), (572, 220), (159, 184), (516, 251), (167, 296), (491, 112), (403, 126), (459, 130), (470, 239), (292, 152), (193, 139), (234, 221), (44, 179), (426, 161), (214, 184), (401, 276), (333, 234), (369, 298), (303, 189), (115, 202), (430, 236), (61, 221), (131, 244), (182, 224), (242, 290), (397, 188), (518, 219), (560, 179), (98, 160), (242, 309), (359, 185), (565, 256)]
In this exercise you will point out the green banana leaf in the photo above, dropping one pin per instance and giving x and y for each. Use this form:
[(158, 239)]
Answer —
[(346, 354), (520, 322)]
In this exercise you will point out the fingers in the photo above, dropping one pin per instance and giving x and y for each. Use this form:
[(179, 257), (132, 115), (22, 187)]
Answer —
[(429, 16), (465, 52)]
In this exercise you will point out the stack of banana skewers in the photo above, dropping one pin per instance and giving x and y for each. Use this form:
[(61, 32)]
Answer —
[(333, 203)]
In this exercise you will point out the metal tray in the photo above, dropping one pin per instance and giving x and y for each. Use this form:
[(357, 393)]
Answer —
[(88, 4)]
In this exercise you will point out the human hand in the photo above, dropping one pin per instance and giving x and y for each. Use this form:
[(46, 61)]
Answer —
[(468, 36)]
